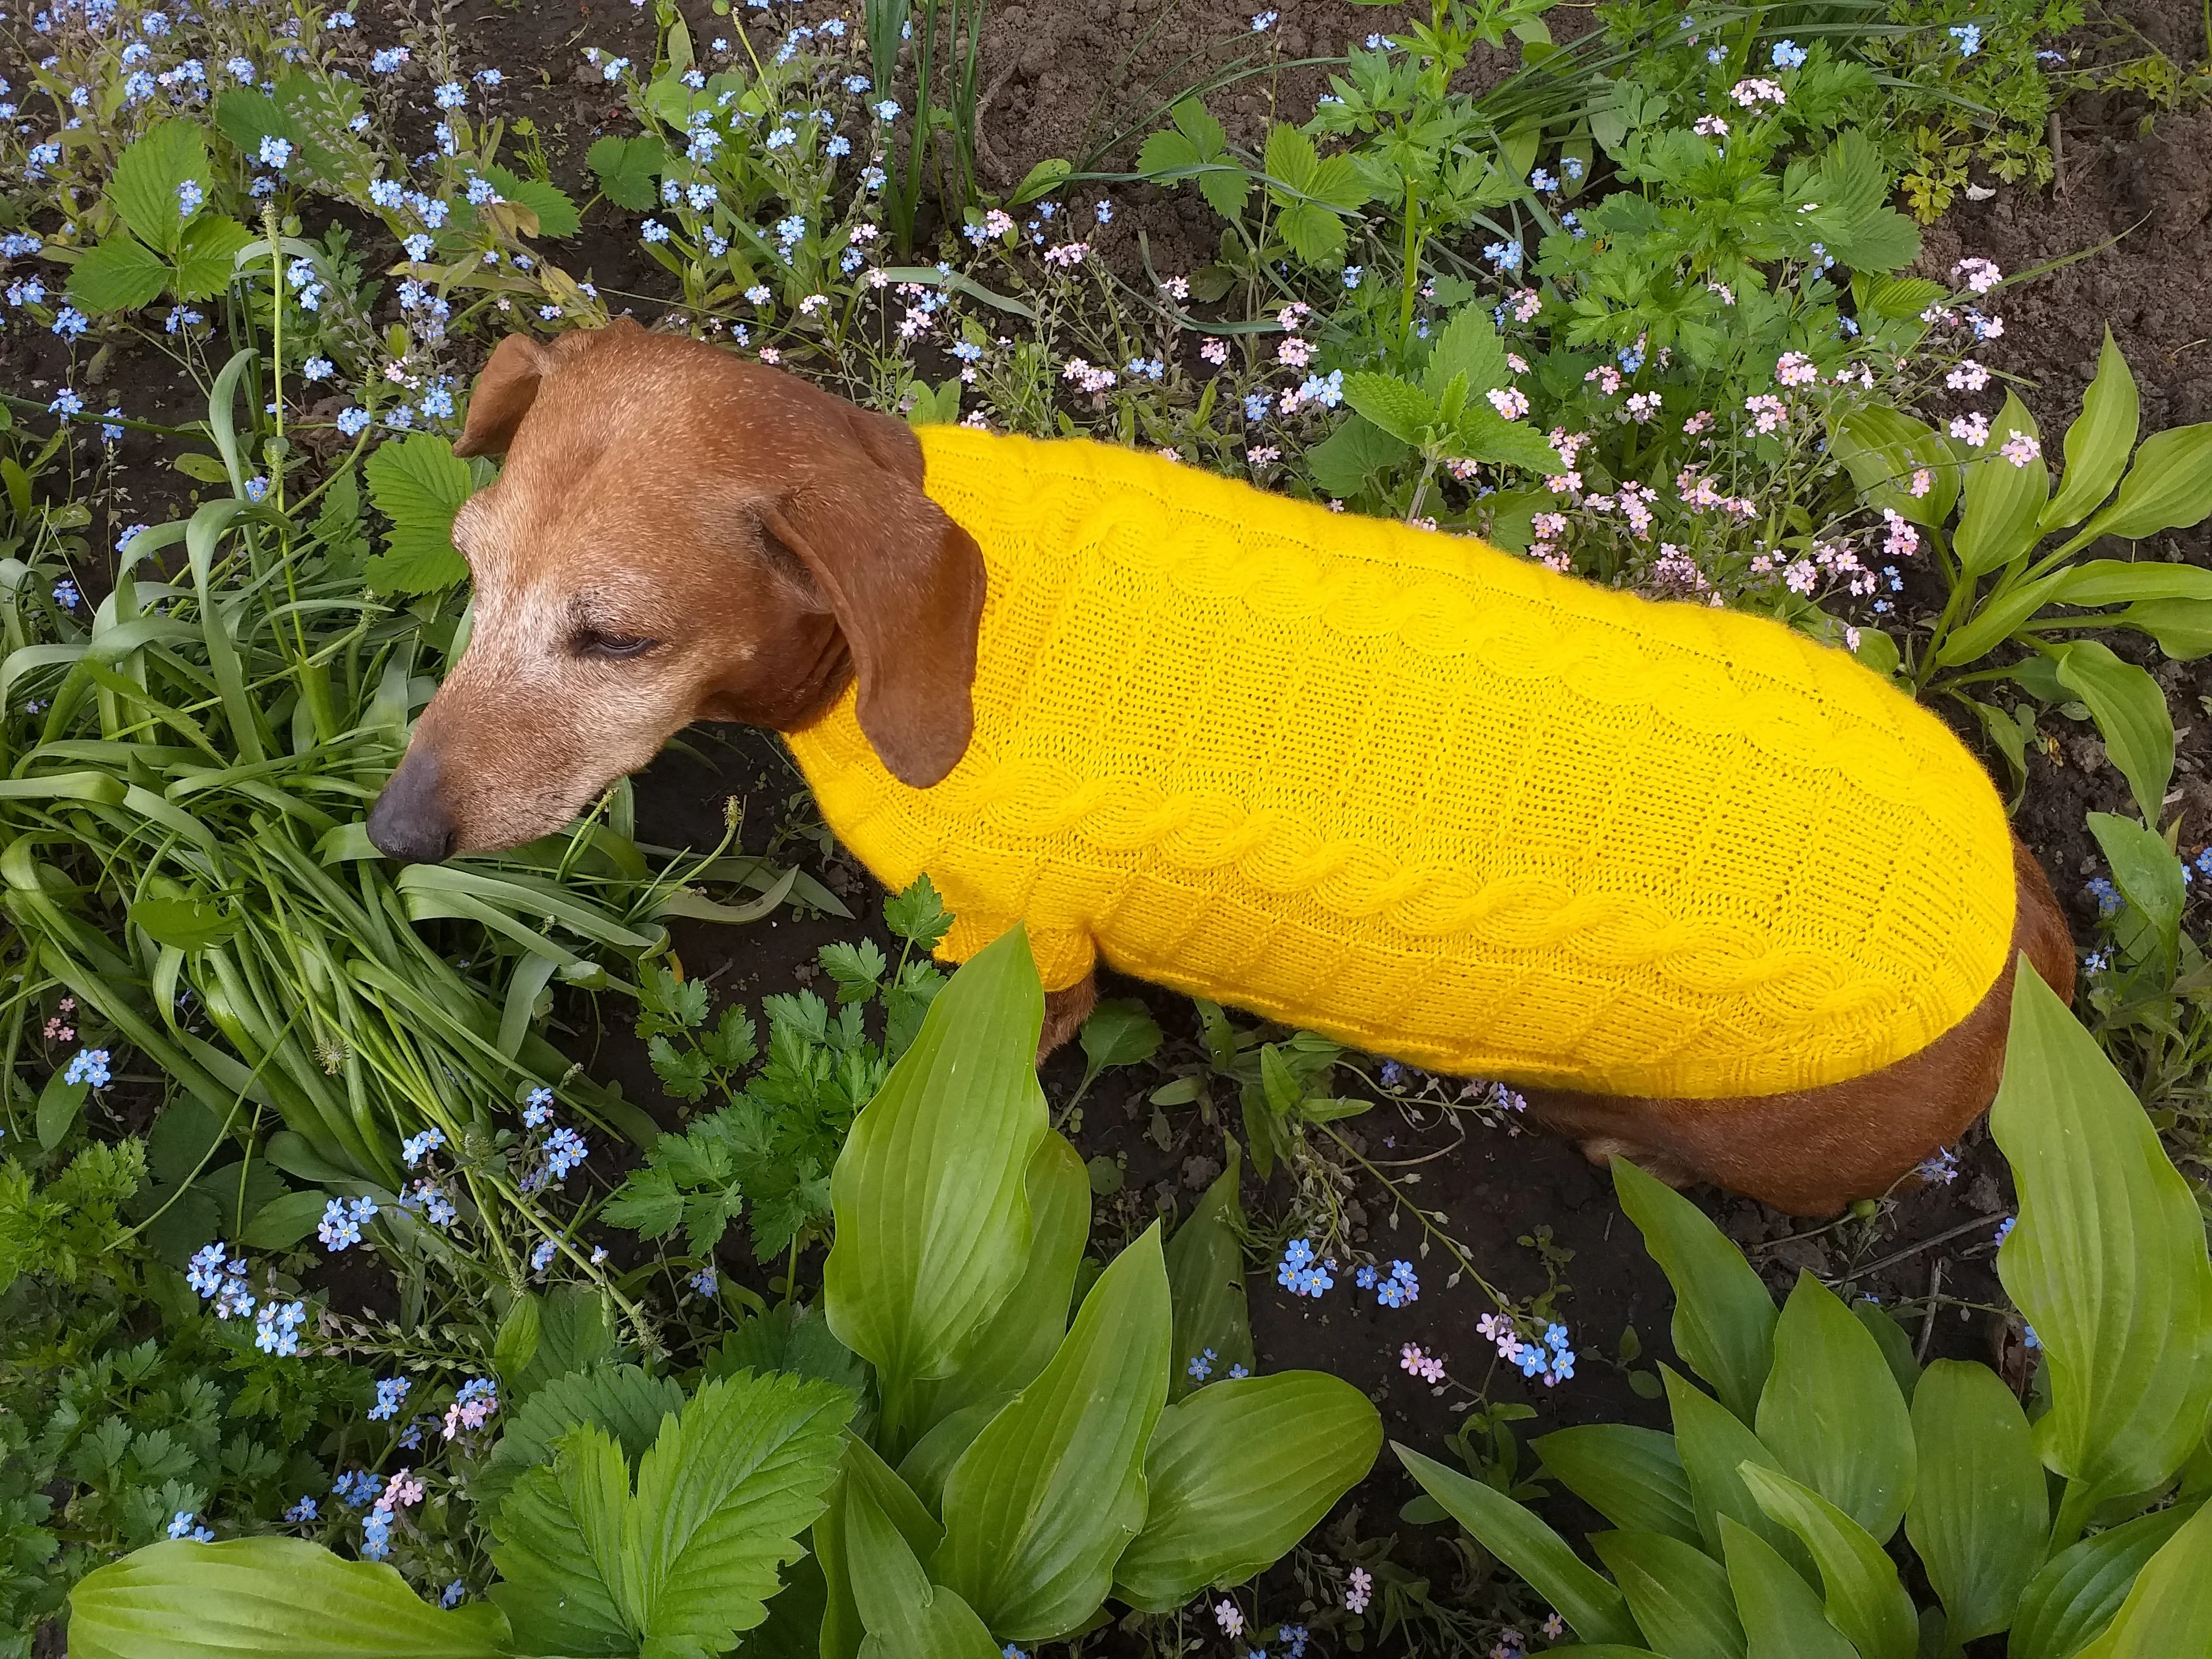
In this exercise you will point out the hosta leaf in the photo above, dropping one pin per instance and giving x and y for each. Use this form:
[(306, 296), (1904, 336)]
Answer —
[(1978, 1513), (2183, 628), (905, 1615), (2169, 1610), (1632, 1477), (2098, 442), (1723, 1317), (2131, 711), (1678, 1594), (1584, 1597), (1882, 448), (932, 1215), (1865, 1600), (2002, 501), (1236, 1475), (1206, 1285), (1782, 1614), (255, 1596), (2107, 1261), (2168, 487), (1830, 1412), (1041, 1506), (679, 1569), (418, 483), (2079, 1590)]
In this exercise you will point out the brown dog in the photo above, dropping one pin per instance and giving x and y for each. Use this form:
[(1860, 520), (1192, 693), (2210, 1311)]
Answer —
[(678, 535)]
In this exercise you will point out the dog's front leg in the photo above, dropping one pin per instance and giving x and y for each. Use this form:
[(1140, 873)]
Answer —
[(1065, 1011)]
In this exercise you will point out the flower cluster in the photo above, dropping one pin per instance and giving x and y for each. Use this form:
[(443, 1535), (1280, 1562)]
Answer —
[(1429, 1367), (219, 1276), (473, 1407), (340, 1227), (1300, 1274), (88, 1066), (1398, 1289)]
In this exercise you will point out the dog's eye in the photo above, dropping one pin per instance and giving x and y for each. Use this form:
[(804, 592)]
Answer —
[(593, 643)]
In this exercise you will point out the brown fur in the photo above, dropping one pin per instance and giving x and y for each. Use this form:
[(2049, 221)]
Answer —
[(678, 535)]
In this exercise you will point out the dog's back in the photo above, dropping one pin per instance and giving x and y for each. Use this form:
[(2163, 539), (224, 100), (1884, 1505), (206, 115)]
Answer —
[(1429, 798)]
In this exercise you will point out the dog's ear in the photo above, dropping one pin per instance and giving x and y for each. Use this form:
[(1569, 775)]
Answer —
[(503, 394), (906, 585)]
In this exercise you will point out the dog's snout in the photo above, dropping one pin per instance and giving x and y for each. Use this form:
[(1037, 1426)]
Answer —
[(409, 821)]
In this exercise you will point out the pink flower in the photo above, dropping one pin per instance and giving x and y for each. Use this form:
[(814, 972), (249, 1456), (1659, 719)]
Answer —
[(1229, 1616), (1697, 422), (1215, 351), (1979, 275), (1608, 377), (1903, 540), (1973, 428), (2020, 447), (1561, 484), (1294, 353), (1796, 368), (402, 1490), (1517, 363), (1969, 376), (1067, 256), (1526, 303), (1800, 576), (1362, 1587), (1510, 401), (1642, 405), (1754, 91), (1709, 126), (1922, 481), (1769, 409), (1264, 455), (1726, 294), (770, 356)]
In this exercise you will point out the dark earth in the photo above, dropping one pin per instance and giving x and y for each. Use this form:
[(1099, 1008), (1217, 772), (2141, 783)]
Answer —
[(1076, 78)]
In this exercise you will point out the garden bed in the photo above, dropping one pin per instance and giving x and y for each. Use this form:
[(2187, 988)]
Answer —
[(1085, 82)]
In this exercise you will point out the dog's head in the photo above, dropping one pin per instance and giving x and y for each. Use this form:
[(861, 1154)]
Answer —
[(677, 535)]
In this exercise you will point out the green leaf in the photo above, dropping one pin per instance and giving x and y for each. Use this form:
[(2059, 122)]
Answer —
[(283, 1221), (1584, 1598), (1678, 1594), (2098, 442), (144, 186), (1469, 345), (1864, 1599), (1237, 1475), (690, 1560), (1830, 1412), (1045, 177), (932, 1219), (557, 217), (863, 1471), (1343, 462), (255, 1596), (2079, 1590), (1398, 409), (1978, 1512), (1006, 1353), (1481, 434), (2183, 628), (2169, 1611), (60, 1103), (627, 168), (2168, 487), (516, 1344), (207, 259), (1038, 1509), (905, 1615), (121, 274), (1781, 1613), (1632, 1477), (1118, 1033), (1714, 1444), (1724, 1320), (1291, 159), (418, 483), (186, 924), (2107, 1261), (1206, 1284), (1896, 1346), (2148, 871), (620, 1399), (1883, 447), (2002, 501), (1311, 232), (2131, 714)]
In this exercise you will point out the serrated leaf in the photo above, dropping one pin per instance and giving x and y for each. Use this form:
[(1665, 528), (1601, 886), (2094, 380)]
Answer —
[(1483, 435), (418, 484), (1312, 232), (623, 1400), (2107, 1261), (557, 216), (208, 258), (1467, 345), (1041, 1505), (1343, 462), (144, 186), (254, 1596), (626, 169), (1236, 1475), (1291, 159), (1390, 403), (120, 274), (684, 1564)]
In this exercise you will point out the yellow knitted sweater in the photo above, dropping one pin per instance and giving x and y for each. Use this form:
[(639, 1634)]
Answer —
[(1428, 799)]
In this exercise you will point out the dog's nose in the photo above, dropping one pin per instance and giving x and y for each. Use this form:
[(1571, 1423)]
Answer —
[(410, 822)]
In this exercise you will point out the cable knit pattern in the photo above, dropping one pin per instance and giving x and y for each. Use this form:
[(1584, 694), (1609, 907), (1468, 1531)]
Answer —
[(1433, 800)]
